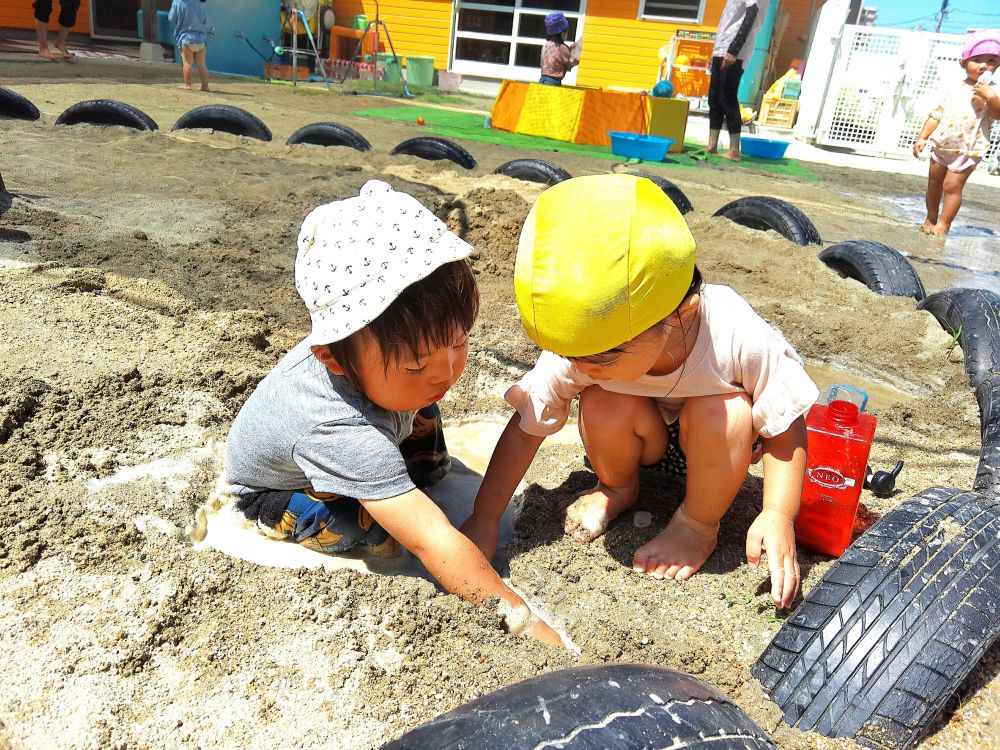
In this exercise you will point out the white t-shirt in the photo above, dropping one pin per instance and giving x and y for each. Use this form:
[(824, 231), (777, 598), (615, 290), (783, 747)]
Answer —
[(736, 352), (729, 24)]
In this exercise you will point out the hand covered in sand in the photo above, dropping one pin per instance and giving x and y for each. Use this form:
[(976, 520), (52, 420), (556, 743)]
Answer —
[(588, 514), (483, 532), (774, 532), (542, 632)]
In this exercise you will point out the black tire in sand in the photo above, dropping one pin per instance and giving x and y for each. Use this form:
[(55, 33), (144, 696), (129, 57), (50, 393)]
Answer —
[(13, 106), (987, 481), (879, 267), (329, 134), (224, 118), (534, 170), (892, 629), (435, 148), (673, 192), (107, 113), (763, 213), (973, 317), (594, 708)]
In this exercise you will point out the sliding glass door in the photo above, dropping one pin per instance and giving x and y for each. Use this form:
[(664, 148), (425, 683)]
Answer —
[(504, 39)]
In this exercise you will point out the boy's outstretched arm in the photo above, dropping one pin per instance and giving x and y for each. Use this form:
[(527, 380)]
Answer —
[(774, 529), (416, 522), (511, 458)]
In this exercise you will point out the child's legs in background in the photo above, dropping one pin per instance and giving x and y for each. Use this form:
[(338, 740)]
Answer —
[(932, 199), (717, 440), (199, 60), (954, 184), (187, 58), (620, 433)]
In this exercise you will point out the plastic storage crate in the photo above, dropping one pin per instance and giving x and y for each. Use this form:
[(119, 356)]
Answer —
[(778, 113)]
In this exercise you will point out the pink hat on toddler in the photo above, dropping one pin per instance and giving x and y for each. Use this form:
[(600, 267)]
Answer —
[(985, 42)]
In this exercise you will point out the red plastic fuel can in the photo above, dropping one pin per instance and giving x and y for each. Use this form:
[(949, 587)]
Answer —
[(839, 440)]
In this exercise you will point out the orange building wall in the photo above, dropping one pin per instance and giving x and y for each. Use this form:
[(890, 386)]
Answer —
[(417, 27), (18, 14), (621, 50)]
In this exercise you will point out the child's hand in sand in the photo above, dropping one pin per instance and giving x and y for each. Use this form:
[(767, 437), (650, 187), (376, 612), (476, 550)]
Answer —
[(483, 532), (588, 515), (679, 550), (774, 532)]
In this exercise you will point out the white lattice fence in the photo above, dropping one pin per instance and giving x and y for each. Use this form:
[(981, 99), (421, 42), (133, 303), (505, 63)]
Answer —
[(883, 86)]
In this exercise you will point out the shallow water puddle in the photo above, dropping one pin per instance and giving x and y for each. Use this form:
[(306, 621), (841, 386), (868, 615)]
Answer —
[(880, 395), (967, 257)]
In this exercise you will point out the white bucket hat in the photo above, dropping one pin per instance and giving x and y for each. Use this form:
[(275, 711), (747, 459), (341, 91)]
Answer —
[(356, 256)]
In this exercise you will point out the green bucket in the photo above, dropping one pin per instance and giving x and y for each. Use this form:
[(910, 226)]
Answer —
[(419, 70), (359, 22), (388, 62)]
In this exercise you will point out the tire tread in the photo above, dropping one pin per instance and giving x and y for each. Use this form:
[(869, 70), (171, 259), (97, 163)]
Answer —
[(855, 667)]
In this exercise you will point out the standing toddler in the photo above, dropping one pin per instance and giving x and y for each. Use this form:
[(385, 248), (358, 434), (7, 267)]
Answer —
[(191, 31), (958, 130)]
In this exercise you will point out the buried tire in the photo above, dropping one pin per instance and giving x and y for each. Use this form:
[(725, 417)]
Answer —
[(673, 192), (434, 148), (973, 316), (892, 629), (763, 213), (13, 106), (594, 708), (879, 267), (225, 118), (534, 170), (988, 473), (329, 134), (107, 113)]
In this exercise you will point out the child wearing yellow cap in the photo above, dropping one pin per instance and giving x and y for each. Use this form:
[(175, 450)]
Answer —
[(667, 369)]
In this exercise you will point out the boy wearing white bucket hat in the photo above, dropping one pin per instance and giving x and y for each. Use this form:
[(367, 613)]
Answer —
[(667, 369), (330, 448)]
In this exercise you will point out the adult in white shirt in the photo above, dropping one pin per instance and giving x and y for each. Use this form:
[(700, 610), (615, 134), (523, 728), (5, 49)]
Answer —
[(734, 43)]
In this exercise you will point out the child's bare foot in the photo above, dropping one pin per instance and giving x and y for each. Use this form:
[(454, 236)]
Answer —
[(732, 155), (205, 88), (677, 551), (588, 515), (185, 87), (47, 54), (63, 52), (939, 230), (927, 227)]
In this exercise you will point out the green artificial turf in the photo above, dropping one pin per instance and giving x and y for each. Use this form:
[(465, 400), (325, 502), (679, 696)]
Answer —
[(469, 126)]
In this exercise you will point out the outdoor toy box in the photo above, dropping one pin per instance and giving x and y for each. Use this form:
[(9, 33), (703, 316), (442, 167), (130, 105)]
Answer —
[(638, 146), (839, 440)]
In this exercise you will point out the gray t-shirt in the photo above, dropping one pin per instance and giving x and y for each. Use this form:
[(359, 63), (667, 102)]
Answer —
[(306, 427)]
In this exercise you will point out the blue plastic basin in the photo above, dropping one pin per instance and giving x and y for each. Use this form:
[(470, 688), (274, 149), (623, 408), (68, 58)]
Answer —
[(763, 148), (639, 146)]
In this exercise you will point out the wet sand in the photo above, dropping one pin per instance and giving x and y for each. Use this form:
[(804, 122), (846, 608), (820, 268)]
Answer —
[(147, 288)]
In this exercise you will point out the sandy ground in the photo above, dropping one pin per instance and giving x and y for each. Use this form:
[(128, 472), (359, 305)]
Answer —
[(147, 287)]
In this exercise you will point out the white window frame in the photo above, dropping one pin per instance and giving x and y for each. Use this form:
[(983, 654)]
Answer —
[(643, 16), (510, 70)]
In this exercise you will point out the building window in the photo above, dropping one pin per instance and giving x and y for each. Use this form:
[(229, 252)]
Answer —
[(504, 38), (689, 11)]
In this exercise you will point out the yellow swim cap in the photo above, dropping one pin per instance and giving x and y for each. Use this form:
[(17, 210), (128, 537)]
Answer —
[(600, 260)]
